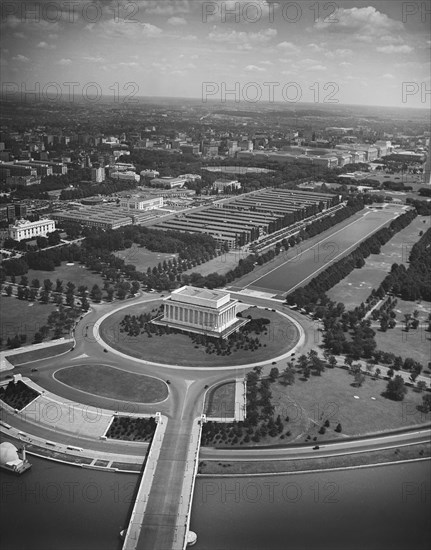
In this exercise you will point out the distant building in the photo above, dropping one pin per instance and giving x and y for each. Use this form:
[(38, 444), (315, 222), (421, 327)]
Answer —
[(150, 174), (98, 175), (124, 167), (202, 311), (22, 181), (222, 185), (142, 203), (168, 182), (24, 229), (125, 176), (190, 149)]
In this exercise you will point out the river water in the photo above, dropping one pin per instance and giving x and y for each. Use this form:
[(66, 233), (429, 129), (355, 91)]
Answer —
[(58, 507), (377, 508), (55, 506)]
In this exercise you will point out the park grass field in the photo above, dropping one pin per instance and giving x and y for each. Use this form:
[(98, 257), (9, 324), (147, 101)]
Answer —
[(22, 317), (143, 258), (331, 397), (76, 274), (178, 349), (414, 343), (114, 383), (221, 264), (220, 401), (357, 286), (40, 353)]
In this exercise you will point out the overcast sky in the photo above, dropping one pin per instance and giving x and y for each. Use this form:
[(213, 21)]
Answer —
[(171, 47)]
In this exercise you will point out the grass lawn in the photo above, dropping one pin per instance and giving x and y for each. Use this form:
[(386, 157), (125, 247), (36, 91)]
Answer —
[(415, 343), (305, 406), (178, 349), (331, 397), (220, 401), (114, 383), (22, 317), (76, 274), (221, 265), (409, 452), (143, 258), (357, 286), (38, 354)]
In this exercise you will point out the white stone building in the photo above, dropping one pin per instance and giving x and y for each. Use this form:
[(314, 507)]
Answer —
[(200, 310), (24, 229)]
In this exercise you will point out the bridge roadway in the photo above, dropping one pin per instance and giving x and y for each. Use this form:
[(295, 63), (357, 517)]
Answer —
[(161, 515)]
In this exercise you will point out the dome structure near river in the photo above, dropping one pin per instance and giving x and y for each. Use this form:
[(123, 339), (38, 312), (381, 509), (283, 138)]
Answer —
[(10, 460)]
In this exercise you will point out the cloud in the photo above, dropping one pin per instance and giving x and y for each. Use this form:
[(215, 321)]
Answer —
[(129, 64), (266, 63), (111, 29), (20, 35), (339, 52), (243, 39), (394, 49), (172, 7), (287, 47), (315, 47), (364, 21), (388, 75), (92, 59), (64, 62), (179, 72), (317, 68), (21, 58), (45, 46), (255, 68), (345, 64), (176, 21)]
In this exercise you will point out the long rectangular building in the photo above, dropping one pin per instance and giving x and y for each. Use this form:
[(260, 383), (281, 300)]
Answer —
[(247, 217)]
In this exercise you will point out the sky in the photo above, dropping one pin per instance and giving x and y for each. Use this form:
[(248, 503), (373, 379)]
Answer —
[(253, 51)]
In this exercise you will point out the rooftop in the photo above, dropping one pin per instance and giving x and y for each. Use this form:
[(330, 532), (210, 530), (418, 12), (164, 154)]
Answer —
[(204, 293)]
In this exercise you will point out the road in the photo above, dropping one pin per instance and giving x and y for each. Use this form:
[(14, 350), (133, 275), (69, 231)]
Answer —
[(325, 450)]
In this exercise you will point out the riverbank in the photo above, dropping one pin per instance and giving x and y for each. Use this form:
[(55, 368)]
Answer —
[(401, 453)]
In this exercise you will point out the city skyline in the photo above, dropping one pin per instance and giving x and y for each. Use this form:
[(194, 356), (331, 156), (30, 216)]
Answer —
[(369, 53)]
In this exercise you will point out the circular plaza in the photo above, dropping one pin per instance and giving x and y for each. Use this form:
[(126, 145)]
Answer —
[(249, 336)]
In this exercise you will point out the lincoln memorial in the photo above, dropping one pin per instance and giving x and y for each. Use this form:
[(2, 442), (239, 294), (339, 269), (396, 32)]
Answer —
[(200, 310)]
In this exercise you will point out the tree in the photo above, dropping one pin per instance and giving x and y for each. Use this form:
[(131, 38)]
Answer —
[(8, 290), (47, 285), (96, 294), (406, 321), (348, 361), (274, 374), (359, 379), (421, 386), (426, 403), (35, 283), (332, 361), (318, 366), (58, 286), (396, 389), (384, 324), (288, 376)]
